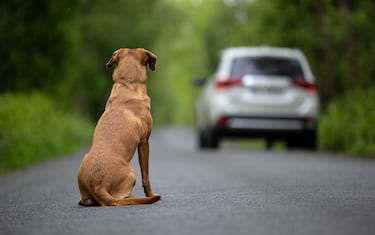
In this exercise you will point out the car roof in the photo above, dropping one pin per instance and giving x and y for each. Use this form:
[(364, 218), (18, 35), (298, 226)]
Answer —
[(228, 54), (262, 50)]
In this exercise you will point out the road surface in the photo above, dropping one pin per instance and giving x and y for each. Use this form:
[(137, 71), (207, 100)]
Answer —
[(231, 191)]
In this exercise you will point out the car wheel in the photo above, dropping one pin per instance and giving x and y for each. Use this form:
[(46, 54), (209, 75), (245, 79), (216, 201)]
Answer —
[(293, 143), (306, 141), (208, 139), (311, 141)]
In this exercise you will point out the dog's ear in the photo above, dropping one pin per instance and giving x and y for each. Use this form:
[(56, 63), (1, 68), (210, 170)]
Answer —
[(150, 59), (113, 59)]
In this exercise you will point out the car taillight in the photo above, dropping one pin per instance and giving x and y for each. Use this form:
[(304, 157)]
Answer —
[(309, 86), (232, 81), (222, 121)]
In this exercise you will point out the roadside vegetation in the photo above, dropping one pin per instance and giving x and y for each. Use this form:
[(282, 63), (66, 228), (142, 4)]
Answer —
[(347, 125), (65, 64), (33, 128)]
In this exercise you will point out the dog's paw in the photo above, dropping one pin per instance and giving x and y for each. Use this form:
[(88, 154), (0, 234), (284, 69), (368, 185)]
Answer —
[(156, 196)]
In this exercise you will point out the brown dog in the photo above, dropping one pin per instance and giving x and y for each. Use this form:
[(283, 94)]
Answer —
[(105, 176)]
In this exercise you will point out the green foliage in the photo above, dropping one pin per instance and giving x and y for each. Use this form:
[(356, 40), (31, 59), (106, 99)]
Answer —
[(33, 128), (38, 40), (349, 122), (180, 55), (105, 27)]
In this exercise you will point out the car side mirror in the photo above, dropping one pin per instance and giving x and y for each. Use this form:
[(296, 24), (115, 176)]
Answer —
[(198, 81)]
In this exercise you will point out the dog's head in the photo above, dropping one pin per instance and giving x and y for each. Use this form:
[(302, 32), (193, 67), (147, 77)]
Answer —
[(144, 56)]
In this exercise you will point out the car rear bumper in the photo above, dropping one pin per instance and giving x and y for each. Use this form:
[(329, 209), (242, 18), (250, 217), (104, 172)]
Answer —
[(241, 126)]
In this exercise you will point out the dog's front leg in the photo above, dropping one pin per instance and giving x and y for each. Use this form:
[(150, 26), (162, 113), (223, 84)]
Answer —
[(143, 155)]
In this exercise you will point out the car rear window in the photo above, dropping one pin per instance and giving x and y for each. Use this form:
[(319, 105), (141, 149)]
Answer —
[(266, 65)]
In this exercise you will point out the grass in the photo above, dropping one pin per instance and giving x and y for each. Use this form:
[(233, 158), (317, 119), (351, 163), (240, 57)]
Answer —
[(348, 124), (33, 128)]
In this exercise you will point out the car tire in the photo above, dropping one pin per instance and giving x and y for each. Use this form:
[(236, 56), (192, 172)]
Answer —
[(311, 140), (293, 142), (306, 141), (208, 139)]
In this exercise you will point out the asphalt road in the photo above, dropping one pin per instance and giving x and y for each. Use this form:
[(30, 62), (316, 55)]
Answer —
[(232, 191)]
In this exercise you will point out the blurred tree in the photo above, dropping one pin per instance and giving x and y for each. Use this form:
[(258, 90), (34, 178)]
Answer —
[(106, 27), (37, 42)]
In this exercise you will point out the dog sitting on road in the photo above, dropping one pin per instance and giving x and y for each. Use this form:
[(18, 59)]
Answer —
[(106, 176)]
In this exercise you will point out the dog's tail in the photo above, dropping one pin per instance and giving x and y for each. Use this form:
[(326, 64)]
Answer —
[(106, 199), (137, 200)]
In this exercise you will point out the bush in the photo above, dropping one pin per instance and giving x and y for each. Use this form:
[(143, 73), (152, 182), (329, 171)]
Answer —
[(348, 125), (33, 128)]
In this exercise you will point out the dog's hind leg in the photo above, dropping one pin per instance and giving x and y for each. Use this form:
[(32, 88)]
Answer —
[(124, 188), (86, 198), (88, 202), (106, 199)]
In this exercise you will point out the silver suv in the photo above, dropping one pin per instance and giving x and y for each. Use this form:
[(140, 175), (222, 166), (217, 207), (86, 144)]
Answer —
[(261, 92)]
